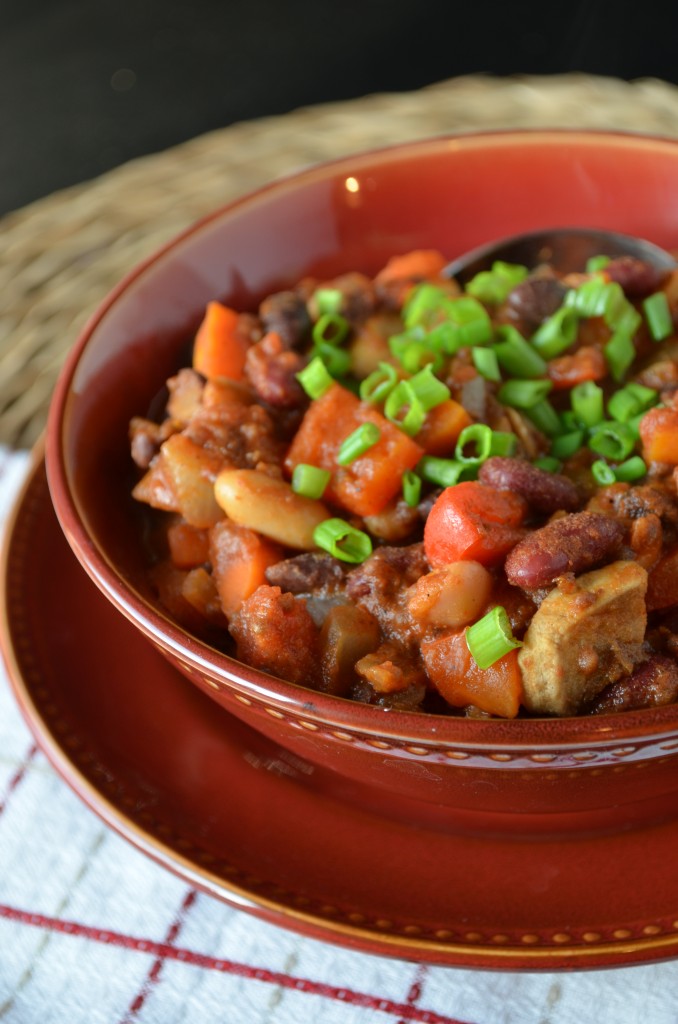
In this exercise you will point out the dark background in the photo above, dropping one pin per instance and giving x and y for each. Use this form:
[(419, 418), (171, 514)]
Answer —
[(88, 84)]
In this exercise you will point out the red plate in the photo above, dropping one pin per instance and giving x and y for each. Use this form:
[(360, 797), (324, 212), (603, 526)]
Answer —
[(237, 816)]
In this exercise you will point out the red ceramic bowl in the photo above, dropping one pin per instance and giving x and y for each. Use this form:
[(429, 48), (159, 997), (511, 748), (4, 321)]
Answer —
[(451, 194)]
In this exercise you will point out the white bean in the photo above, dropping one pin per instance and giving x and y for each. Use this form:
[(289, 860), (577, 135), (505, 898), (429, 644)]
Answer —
[(269, 506), (452, 596)]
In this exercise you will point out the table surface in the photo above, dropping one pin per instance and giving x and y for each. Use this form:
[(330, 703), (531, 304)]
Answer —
[(90, 929)]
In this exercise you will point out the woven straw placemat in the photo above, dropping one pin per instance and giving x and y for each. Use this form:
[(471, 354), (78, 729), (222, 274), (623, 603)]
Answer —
[(60, 255)]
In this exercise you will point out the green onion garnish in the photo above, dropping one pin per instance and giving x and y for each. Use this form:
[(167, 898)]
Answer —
[(565, 445), (486, 363), (619, 353), (342, 540), (545, 418), (424, 303), (330, 328), (403, 408), (468, 323), (591, 298), (411, 488), (557, 333), (314, 378), (479, 437), (417, 354), (516, 355), (632, 469), (602, 473), (595, 263), (337, 360), (379, 384), (443, 472), (493, 286), (628, 401), (523, 394), (547, 463), (614, 441), (587, 403), (357, 443), (429, 390), (503, 442), (309, 481), (491, 638), (658, 316), (328, 300)]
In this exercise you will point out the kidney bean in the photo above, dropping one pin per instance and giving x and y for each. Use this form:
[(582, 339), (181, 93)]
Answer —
[(636, 277), (572, 543), (652, 684), (287, 315), (535, 299), (543, 491)]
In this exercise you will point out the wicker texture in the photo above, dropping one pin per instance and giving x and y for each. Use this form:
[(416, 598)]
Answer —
[(61, 255)]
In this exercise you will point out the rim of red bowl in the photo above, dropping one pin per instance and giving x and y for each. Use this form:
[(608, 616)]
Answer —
[(528, 733)]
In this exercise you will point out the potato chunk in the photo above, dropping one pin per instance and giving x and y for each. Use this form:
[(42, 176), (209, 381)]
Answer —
[(586, 634)]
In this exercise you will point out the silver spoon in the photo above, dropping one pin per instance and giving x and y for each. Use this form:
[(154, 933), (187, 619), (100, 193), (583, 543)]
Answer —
[(567, 249)]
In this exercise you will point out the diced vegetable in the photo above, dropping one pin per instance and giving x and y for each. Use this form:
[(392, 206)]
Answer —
[(452, 597), (659, 434), (442, 426), (472, 521), (450, 667), (220, 347), (365, 486), (239, 560), (268, 505)]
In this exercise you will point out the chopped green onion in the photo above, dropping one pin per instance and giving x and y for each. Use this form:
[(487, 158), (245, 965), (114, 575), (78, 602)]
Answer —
[(628, 401), (443, 472), (557, 333), (486, 363), (429, 390), (310, 481), (417, 354), (379, 384), (356, 444), (411, 488), (337, 360), (330, 328), (493, 286), (595, 263), (547, 463), (612, 440), (568, 422), (314, 378), (342, 540), (567, 444), (632, 469), (503, 442), (619, 353), (328, 300), (658, 316), (424, 303), (587, 403), (516, 355), (590, 298), (479, 435), (468, 323), (634, 425), (403, 408), (545, 418), (602, 473), (490, 638), (523, 394), (398, 343)]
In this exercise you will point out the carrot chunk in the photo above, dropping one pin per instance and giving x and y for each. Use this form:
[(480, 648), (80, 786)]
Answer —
[(659, 434), (418, 265), (220, 348), (367, 484), (442, 426), (473, 521), (240, 558), (450, 667)]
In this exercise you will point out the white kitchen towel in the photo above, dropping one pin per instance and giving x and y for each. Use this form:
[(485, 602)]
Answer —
[(93, 932)]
